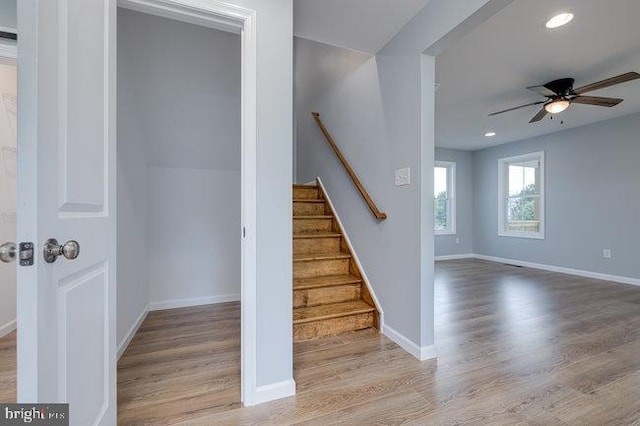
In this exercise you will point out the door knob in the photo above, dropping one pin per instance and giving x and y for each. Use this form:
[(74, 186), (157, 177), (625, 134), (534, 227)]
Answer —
[(8, 252), (70, 250)]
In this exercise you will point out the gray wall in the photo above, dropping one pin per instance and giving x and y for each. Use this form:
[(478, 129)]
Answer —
[(184, 84), (372, 106), (132, 213), (445, 245), (8, 89), (592, 199), (8, 14)]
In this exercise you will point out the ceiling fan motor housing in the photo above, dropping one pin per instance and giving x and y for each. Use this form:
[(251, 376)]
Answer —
[(562, 87)]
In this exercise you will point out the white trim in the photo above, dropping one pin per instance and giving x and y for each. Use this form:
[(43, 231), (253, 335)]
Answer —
[(354, 255), (225, 16), (503, 192), (194, 301), (10, 30), (451, 196), (8, 328), (124, 344), (266, 393), (211, 14), (455, 257), (8, 50), (562, 270), (421, 353)]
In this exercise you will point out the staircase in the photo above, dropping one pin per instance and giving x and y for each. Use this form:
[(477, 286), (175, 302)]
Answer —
[(329, 295)]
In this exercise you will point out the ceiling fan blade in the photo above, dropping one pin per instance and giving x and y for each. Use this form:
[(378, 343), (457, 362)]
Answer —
[(607, 83), (539, 116), (596, 100), (518, 107), (544, 91)]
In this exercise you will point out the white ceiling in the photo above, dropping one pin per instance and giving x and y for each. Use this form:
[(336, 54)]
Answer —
[(490, 68), (364, 25)]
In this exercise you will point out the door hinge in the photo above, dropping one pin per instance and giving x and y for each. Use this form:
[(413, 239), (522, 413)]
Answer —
[(26, 254)]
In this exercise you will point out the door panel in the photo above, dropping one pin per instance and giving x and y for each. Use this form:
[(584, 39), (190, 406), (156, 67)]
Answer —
[(82, 106), (69, 351)]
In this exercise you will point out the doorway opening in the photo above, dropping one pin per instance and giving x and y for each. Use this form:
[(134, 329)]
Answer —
[(179, 218), (8, 122)]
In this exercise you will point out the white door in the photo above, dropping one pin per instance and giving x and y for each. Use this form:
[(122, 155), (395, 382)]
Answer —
[(66, 191)]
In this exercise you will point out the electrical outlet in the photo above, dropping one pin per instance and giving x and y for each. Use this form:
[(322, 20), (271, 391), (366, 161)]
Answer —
[(606, 253), (403, 177), (457, 240)]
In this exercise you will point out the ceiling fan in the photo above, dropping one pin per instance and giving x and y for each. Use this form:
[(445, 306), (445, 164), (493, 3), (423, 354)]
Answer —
[(560, 94)]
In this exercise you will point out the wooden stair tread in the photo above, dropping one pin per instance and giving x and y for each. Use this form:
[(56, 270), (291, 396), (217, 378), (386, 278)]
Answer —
[(323, 216), (318, 235), (301, 185), (320, 256), (325, 281), (334, 310), (309, 200)]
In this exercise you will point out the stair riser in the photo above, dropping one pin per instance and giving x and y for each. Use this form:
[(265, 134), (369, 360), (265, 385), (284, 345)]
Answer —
[(326, 295), (313, 330), (310, 226), (316, 245), (300, 208), (318, 268), (306, 193)]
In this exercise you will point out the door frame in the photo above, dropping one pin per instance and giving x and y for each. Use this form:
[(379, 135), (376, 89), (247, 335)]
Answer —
[(226, 17)]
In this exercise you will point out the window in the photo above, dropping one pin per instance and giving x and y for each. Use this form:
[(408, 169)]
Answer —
[(521, 196), (444, 197)]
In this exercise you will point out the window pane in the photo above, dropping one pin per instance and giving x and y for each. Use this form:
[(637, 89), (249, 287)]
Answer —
[(440, 214), (522, 180), (440, 181), (523, 214)]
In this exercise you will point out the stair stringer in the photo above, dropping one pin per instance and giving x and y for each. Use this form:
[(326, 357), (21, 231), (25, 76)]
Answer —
[(354, 257)]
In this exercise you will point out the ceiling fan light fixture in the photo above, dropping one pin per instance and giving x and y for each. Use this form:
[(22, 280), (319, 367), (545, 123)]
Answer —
[(557, 106), (489, 134), (559, 20)]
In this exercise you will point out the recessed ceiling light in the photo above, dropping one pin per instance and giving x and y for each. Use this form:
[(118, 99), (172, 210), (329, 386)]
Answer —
[(489, 134), (559, 20)]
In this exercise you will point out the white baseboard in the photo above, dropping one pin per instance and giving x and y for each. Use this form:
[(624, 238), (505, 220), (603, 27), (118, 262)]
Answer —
[(455, 256), (562, 270), (272, 392), (7, 328), (195, 301), (421, 353), (124, 344)]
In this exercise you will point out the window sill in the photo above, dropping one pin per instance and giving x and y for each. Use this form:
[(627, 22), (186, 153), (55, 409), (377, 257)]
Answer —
[(528, 235), (436, 233)]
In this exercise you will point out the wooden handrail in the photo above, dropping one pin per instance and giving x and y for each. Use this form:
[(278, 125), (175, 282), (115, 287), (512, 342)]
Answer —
[(367, 198)]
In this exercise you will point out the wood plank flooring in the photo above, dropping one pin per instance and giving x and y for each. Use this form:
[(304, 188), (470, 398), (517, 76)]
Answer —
[(515, 346), (8, 368), (182, 363)]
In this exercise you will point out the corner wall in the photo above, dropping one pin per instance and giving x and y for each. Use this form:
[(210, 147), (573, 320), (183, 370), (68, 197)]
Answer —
[(592, 199), (373, 107), (446, 245)]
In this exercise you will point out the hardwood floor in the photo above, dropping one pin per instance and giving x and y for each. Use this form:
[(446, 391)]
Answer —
[(181, 364), (8, 368), (515, 346)]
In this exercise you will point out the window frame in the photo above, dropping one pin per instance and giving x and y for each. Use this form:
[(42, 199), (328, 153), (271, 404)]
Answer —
[(451, 198), (503, 195)]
